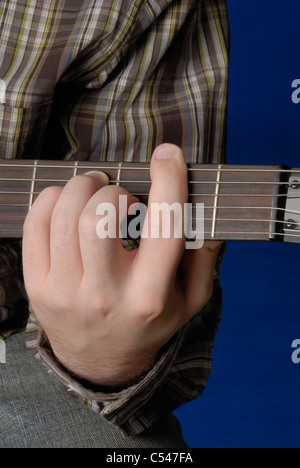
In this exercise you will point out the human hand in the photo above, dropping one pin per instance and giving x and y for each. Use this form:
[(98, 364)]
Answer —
[(106, 311)]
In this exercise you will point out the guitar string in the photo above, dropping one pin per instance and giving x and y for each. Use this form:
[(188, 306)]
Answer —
[(200, 195), (146, 195), (208, 219), (257, 195), (291, 223), (141, 182), (228, 233), (208, 207), (296, 212), (26, 205), (81, 166)]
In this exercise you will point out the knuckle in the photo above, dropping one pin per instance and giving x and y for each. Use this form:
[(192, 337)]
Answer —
[(34, 292), (100, 306), (96, 309), (63, 222), (88, 225), (74, 186), (153, 306), (33, 224), (35, 219), (63, 303)]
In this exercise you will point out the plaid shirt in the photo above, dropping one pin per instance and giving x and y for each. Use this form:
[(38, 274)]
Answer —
[(109, 81)]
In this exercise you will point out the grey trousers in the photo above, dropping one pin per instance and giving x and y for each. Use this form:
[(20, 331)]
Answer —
[(36, 413)]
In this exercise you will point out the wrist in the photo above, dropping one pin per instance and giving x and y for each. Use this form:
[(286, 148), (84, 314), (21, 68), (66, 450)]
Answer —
[(107, 374), (121, 382)]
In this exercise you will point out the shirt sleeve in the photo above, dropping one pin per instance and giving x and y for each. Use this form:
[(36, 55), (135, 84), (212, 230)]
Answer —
[(13, 303)]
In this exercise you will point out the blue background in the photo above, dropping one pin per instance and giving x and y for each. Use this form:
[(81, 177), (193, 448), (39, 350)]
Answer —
[(253, 396)]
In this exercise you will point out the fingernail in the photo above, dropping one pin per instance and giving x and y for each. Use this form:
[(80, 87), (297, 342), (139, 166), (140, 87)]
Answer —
[(98, 175), (166, 152)]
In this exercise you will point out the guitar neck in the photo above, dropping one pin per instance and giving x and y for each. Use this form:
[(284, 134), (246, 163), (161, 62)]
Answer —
[(260, 203)]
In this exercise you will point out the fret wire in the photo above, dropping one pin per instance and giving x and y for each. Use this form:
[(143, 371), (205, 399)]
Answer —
[(216, 202), (118, 181), (75, 168), (31, 196)]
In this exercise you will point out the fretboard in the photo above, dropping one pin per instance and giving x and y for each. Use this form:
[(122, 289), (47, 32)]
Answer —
[(259, 203)]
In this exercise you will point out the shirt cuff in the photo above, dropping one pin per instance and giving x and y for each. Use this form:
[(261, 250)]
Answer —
[(13, 303), (124, 408)]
